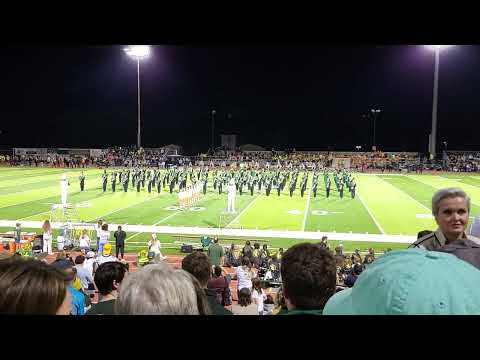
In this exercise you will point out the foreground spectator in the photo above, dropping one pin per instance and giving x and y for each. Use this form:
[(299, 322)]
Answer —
[(451, 209), (160, 289), (308, 277), (105, 256), (220, 283), (77, 297), (83, 273), (258, 295), (244, 275), (198, 264), (31, 287), (412, 282), (108, 278), (245, 304)]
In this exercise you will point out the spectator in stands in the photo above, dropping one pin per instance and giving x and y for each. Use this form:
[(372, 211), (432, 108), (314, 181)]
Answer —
[(154, 247), (308, 278), (84, 242), (411, 282), (89, 262), (31, 287), (370, 257), (258, 295), (77, 298), (247, 250), (108, 278), (245, 304), (119, 236), (47, 237), (220, 283), (354, 274), (268, 305), (83, 274), (160, 289), (106, 256), (356, 257), (215, 253), (256, 255), (324, 241), (451, 209), (104, 236), (233, 256), (198, 264), (244, 275)]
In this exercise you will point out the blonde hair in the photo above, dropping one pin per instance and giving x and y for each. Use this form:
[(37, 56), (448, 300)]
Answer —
[(46, 226)]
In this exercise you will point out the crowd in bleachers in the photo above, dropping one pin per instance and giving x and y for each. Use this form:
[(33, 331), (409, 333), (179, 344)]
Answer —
[(359, 161), (463, 161)]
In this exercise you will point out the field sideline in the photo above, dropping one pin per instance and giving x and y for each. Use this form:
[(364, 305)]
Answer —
[(388, 204)]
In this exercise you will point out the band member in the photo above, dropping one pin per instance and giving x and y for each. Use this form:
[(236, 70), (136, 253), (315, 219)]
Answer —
[(82, 181)]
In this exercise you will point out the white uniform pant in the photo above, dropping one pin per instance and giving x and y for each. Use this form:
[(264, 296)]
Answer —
[(231, 203), (47, 245)]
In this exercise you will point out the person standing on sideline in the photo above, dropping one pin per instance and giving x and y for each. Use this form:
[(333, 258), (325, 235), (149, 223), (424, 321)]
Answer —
[(18, 236), (47, 237), (82, 181), (103, 239), (98, 228), (119, 236), (215, 253)]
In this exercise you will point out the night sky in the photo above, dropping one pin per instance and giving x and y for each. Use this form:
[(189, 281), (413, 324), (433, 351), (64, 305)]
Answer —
[(307, 97)]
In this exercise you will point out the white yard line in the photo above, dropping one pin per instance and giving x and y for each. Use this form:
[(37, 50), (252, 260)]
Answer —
[(44, 212), (126, 207), (307, 207), (406, 194), (246, 208), (166, 218), (438, 187), (370, 213)]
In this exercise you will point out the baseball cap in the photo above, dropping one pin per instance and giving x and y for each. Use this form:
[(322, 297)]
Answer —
[(411, 282), (90, 254), (107, 249)]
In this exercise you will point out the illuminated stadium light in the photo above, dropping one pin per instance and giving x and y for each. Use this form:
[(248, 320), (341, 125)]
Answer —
[(138, 51), (432, 146), (437, 47)]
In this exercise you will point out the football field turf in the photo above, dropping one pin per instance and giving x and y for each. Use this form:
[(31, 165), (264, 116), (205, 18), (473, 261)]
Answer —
[(390, 204)]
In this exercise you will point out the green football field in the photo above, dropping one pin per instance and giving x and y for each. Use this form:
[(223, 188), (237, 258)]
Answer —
[(390, 204)]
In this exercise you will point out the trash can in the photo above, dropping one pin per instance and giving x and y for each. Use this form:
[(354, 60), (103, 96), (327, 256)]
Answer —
[(60, 242)]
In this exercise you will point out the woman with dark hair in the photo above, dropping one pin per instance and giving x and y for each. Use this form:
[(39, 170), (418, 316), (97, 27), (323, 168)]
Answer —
[(258, 295), (245, 304), (31, 287), (244, 275)]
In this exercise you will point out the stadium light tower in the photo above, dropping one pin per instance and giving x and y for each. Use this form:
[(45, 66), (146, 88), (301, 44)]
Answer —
[(138, 52), (375, 113), (433, 138)]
